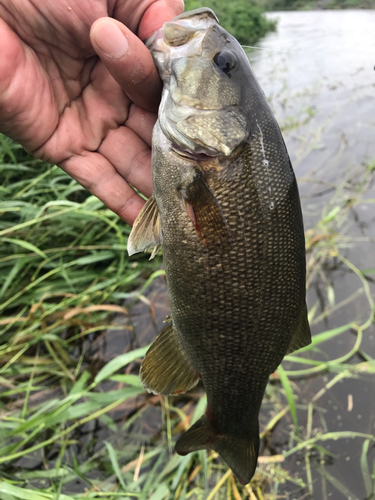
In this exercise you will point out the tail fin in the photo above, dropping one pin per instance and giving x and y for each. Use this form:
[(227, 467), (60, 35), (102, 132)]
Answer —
[(241, 455)]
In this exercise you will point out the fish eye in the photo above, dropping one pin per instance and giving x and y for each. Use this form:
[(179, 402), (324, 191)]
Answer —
[(225, 61)]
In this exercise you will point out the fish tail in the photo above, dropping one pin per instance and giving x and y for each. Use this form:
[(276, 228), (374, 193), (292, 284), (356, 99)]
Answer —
[(241, 454)]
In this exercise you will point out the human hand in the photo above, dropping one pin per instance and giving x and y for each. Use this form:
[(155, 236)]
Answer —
[(93, 117)]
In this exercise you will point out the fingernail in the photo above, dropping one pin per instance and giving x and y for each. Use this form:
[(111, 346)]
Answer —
[(110, 39)]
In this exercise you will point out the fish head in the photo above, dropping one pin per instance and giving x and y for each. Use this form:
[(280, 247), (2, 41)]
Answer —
[(204, 71)]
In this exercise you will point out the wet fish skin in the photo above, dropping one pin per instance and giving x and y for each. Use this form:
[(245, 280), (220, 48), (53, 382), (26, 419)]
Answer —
[(227, 214)]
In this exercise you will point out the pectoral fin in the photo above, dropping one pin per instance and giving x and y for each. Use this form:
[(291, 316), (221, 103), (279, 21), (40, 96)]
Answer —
[(205, 213), (302, 335), (146, 232), (166, 368)]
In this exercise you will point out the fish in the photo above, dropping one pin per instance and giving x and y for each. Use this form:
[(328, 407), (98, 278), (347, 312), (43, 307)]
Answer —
[(226, 212)]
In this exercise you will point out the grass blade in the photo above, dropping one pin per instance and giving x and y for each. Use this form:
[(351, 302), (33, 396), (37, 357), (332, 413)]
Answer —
[(119, 362), (289, 396), (365, 468), (115, 464)]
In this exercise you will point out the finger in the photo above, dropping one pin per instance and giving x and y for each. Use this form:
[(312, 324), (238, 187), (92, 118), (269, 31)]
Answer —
[(130, 156), (157, 14), (128, 60), (97, 174), (102, 107), (28, 112), (141, 122)]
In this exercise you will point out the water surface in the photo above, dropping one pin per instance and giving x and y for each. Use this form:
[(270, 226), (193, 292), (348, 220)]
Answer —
[(317, 71)]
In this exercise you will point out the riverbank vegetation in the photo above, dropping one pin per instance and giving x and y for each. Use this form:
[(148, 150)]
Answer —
[(243, 19), (75, 422)]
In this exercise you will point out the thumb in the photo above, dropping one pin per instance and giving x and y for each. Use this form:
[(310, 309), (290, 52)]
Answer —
[(128, 60)]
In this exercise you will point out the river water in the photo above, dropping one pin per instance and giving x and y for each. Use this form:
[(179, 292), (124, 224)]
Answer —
[(317, 71)]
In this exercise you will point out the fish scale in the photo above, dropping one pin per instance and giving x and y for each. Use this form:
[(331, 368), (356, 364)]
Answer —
[(226, 211)]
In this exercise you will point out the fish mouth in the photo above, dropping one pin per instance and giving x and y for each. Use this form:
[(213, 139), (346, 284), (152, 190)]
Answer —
[(195, 20), (192, 155)]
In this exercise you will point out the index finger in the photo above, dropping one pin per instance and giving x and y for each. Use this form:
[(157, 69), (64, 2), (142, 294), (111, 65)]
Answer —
[(157, 14), (125, 55)]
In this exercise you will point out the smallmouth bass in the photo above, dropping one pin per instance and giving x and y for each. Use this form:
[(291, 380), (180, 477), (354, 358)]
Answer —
[(226, 212)]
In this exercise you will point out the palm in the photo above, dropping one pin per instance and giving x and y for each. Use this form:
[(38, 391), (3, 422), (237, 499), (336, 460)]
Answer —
[(59, 100)]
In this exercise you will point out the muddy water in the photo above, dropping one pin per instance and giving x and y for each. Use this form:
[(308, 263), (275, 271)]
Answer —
[(317, 71)]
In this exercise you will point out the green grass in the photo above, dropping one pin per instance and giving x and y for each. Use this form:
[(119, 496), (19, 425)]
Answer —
[(71, 428)]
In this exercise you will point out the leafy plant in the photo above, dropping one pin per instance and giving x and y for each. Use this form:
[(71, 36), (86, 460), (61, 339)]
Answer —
[(242, 19)]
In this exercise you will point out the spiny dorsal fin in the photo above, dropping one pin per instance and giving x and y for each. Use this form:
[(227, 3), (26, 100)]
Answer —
[(205, 213), (302, 335), (146, 232), (166, 368), (241, 455)]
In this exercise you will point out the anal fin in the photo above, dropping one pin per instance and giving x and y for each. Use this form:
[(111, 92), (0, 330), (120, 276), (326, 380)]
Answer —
[(146, 232), (166, 368), (302, 335), (241, 454)]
